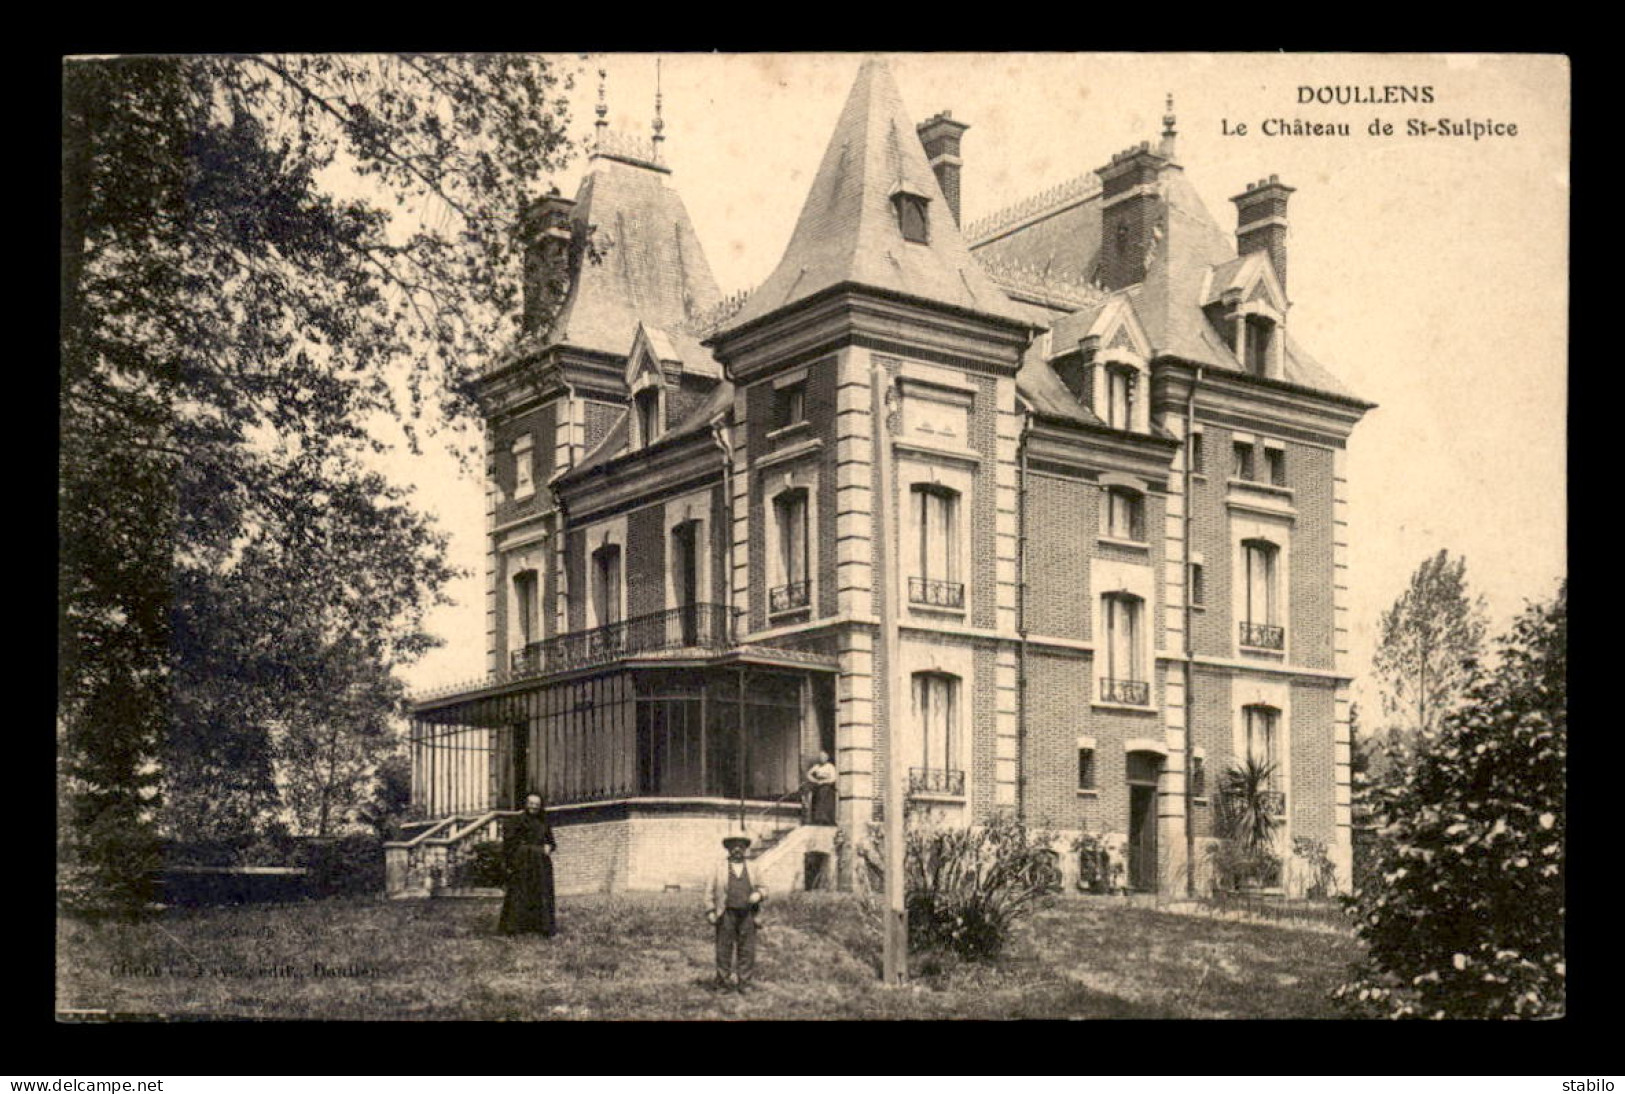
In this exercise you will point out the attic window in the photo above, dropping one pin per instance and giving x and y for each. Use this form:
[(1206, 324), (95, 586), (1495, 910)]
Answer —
[(913, 217), (646, 404)]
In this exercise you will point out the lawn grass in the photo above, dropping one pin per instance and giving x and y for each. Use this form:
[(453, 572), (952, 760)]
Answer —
[(649, 956)]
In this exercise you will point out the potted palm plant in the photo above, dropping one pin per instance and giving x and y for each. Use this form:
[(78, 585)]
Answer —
[(1248, 815)]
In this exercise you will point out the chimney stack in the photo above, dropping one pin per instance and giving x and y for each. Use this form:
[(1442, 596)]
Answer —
[(1261, 221), (1133, 220), (546, 234), (940, 135)]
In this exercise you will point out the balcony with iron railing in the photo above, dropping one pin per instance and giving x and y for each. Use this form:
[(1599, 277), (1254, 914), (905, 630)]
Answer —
[(1263, 636), (936, 594), (789, 598), (706, 628), (935, 780), (1135, 693)]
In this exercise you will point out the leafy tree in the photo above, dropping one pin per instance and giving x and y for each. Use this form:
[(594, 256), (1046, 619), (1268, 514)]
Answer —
[(1468, 919), (1428, 644), (270, 266)]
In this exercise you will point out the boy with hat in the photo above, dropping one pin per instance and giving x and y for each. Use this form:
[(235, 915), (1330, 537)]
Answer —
[(732, 900)]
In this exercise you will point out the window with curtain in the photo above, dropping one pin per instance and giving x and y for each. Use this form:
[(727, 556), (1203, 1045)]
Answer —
[(606, 584), (1124, 678), (1119, 397), (524, 478), (1263, 725), (1086, 769), (1260, 611), (1241, 466), (937, 565), (1275, 465), (1125, 514), (524, 597), (793, 561), (936, 715)]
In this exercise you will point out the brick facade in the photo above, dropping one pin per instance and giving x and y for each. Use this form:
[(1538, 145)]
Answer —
[(978, 412)]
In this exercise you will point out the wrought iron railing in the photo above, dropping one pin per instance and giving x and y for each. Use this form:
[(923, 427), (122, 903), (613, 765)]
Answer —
[(788, 598), (936, 594), (934, 780), (1263, 636), (1131, 692), (697, 626)]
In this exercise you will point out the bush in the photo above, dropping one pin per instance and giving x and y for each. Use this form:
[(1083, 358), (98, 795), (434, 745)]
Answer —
[(1323, 880), (484, 867), (1092, 869), (967, 887), (1467, 921), (344, 865)]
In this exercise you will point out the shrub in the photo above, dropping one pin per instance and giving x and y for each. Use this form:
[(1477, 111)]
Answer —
[(1323, 875), (1092, 870), (484, 867), (1467, 921), (967, 887)]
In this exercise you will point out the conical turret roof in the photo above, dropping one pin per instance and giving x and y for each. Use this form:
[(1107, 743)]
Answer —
[(848, 230)]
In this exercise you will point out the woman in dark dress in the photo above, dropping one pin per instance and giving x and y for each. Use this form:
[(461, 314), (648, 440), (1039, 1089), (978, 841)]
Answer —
[(527, 845)]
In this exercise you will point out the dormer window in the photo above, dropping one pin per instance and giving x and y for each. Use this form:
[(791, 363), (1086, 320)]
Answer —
[(913, 216), (646, 408), (1257, 349), (1119, 397)]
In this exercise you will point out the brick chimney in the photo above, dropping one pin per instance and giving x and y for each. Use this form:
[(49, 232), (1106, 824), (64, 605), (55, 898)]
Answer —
[(546, 234), (940, 135), (1133, 220), (1261, 221)]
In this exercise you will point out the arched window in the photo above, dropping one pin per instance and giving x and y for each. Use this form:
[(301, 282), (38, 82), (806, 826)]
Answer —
[(936, 582), (1123, 675), (1260, 613), (936, 768)]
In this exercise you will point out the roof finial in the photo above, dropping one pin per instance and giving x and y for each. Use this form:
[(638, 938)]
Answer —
[(659, 123), (1167, 148), (602, 110)]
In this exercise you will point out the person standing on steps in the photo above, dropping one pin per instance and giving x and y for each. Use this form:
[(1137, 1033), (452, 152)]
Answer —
[(821, 791), (528, 844), (732, 901)]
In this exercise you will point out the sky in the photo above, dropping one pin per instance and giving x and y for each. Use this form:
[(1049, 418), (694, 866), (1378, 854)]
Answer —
[(1429, 272)]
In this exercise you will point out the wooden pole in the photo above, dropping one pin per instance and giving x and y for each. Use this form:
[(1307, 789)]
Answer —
[(894, 941)]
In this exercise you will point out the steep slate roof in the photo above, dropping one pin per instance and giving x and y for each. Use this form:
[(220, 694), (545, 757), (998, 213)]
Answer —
[(653, 267), (1066, 237), (613, 445), (848, 232)]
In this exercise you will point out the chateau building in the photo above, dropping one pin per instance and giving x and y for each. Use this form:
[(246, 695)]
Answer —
[(1075, 537)]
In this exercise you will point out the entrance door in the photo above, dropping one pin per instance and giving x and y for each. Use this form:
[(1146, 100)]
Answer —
[(686, 580), (1142, 838), (1144, 770)]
